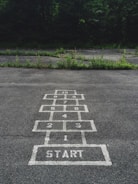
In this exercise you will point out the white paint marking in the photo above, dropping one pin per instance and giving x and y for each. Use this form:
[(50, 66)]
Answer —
[(51, 116), (33, 157), (93, 126), (86, 108), (54, 102), (56, 91), (75, 92), (76, 108), (77, 102), (45, 96), (106, 153), (74, 96), (78, 125), (106, 162), (52, 108), (66, 91), (84, 142), (49, 125), (64, 115), (65, 138), (66, 97), (82, 97), (47, 137), (79, 116), (88, 163), (36, 124), (57, 130), (64, 108), (41, 108), (64, 126)]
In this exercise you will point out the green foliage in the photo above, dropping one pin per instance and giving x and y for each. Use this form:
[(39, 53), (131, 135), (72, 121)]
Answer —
[(3, 4), (50, 21), (9, 52), (69, 63)]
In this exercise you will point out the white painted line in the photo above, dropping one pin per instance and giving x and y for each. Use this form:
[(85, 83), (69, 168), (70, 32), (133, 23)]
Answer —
[(105, 153), (106, 162), (33, 157), (71, 145), (56, 92), (41, 108), (57, 130), (67, 163), (65, 97), (64, 108), (86, 108), (35, 126), (79, 116), (84, 142), (47, 137), (65, 120), (64, 125), (51, 116), (93, 126), (45, 96), (54, 102), (82, 96), (77, 102)]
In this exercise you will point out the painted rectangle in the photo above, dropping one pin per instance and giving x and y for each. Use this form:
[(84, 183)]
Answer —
[(94, 154), (63, 108), (63, 97), (64, 137), (73, 92), (65, 102), (83, 125), (46, 125), (64, 125)]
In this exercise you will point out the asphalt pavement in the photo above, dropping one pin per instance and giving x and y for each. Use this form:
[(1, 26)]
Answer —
[(68, 126)]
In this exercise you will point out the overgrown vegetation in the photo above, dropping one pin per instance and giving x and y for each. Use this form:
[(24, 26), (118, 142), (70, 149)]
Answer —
[(70, 62), (88, 22), (17, 52)]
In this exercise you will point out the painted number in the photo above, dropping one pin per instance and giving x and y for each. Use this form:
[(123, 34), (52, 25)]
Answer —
[(76, 108), (73, 96), (64, 92), (78, 125), (52, 108), (65, 138), (49, 125)]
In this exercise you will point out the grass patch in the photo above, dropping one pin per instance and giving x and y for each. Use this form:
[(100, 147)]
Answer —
[(96, 63), (9, 52), (69, 61)]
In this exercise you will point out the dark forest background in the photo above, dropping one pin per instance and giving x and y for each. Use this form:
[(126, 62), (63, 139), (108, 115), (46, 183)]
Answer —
[(66, 21)]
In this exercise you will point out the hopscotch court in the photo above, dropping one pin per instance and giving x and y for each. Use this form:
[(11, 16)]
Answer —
[(65, 142)]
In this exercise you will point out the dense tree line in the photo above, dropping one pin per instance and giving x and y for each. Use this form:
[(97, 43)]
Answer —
[(96, 21)]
